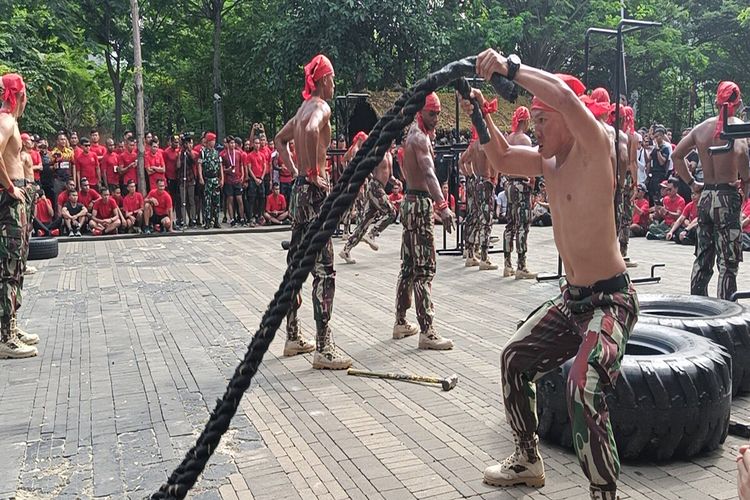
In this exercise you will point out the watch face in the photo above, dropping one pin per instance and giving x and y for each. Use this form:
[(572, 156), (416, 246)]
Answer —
[(514, 59)]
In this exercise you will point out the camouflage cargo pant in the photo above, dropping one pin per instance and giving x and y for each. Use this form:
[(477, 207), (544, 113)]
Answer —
[(417, 259), (379, 214), (307, 199), (593, 329), (14, 248), (519, 218), (356, 213), (719, 240), (625, 218), (211, 201), (30, 199), (470, 220), (485, 196)]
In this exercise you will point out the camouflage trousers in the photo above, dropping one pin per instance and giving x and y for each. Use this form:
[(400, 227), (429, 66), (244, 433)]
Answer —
[(14, 248), (417, 259), (307, 199), (519, 218), (592, 328), (470, 219), (356, 213), (719, 239), (211, 201), (485, 204), (625, 215), (379, 214)]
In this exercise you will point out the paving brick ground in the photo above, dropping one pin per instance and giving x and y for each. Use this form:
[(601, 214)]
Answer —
[(140, 336)]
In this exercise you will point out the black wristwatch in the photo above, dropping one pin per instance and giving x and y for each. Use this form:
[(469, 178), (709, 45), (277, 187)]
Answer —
[(514, 63)]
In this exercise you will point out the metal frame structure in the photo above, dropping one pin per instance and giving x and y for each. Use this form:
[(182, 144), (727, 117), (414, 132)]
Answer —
[(342, 109)]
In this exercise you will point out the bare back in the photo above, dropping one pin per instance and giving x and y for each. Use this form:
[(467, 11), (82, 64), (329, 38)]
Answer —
[(10, 145), (721, 168), (384, 170), (312, 155), (479, 162), (519, 138), (419, 165)]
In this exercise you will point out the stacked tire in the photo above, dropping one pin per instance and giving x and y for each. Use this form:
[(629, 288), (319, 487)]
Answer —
[(672, 398)]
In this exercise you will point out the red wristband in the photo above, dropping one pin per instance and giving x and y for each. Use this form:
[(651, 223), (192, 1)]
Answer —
[(441, 206), (489, 107)]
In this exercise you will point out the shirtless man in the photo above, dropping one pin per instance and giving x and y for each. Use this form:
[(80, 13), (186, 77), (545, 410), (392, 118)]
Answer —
[(14, 245), (379, 213), (719, 232), (418, 240), (27, 160), (592, 317), (518, 192), (466, 168), (310, 129), (484, 203), (627, 181)]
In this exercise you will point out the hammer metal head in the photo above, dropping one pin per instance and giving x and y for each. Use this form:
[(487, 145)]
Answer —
[(449, 382)]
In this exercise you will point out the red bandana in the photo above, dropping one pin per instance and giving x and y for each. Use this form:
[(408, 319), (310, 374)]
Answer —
[(431, 103), (210, 136), (597, 102), (319, 67), (12, 84), (521, 114), (728, 94), (628, 117), (360, 136)]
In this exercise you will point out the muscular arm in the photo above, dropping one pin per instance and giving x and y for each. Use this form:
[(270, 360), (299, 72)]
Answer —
[(4, 177), (318, 118), (427, 167), (684, 147), (743, 163), (282, 140), (507, 159)]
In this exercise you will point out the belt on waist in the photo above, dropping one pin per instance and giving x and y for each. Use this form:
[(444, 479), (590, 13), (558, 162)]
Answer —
[(518, 179), (719, 187), (210, 177), (610, 285), (418, 193), (19, 183)]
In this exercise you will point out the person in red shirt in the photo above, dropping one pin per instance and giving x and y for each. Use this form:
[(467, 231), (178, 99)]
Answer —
[(132, 210), (641, 213), (451, 203), (105, 218), (75, 145), (45, 222), (254, 170), (171, 155), (96, 147), (686, 225), (87, 164), (672, 206), (36, 161), (128, 159), (158, 209), (117, 195), (87, 196), (745, 224), (266, 152), (110, 165), (234, 175), (64, 195), (276, 209), (396, 197), (285, 175), (155, 166)]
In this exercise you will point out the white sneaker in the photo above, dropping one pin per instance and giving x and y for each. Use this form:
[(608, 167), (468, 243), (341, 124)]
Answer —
[(508, 271), (404, 330), (631, 263), (347, 258), (331, 359), (515, 470), (25, 337), (486, 265), (30, 270), (432, 340), (15, 349), (471, 262), (298, 346), (368, 239), (525, 274)]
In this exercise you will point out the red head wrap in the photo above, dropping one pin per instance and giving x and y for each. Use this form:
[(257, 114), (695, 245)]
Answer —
[(210, 136), (571, 81), (316, 69), (12, 84), (360, 136), (597, 102), (519, 115), (628, 117), (431, 103), (728, 94), (25, 137)]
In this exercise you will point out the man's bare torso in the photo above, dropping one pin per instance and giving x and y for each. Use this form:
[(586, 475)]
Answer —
[(28, 166), (12, 151), (721, 168), (479, 162), (519, 138), (302, 138), (384, 170), (415, 178)]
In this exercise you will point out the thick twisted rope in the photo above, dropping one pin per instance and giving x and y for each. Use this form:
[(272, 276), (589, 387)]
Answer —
[(317, 236)]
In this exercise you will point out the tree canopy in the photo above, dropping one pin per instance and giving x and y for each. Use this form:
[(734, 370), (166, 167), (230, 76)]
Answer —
[(76, 55)]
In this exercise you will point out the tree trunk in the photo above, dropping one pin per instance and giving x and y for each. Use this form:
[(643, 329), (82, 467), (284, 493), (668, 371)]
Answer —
[(117, 87), (218, 104), (138, 72)]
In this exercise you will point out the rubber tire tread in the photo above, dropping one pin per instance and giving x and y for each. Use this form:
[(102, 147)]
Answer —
[(43, 248), (663, 406), (724, 322)]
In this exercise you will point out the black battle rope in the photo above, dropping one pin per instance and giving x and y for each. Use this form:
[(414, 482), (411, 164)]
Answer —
[(315, 239)]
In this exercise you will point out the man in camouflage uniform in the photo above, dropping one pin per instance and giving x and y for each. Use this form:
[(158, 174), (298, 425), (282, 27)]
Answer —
[(469, 222), (418, 241), (719, 207), (310, 129), (14, 219), (211, 176), (518, 192)]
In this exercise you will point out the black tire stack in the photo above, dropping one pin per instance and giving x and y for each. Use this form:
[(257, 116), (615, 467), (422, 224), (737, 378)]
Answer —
[(42, 248), (686, 358)]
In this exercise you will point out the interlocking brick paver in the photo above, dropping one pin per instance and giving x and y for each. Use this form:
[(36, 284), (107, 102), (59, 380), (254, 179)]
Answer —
[(138, 339)]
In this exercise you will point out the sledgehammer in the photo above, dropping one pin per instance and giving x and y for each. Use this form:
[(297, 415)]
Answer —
[(447, 383)]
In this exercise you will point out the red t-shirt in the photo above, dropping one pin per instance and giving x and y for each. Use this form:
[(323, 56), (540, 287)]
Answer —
[(164, 208), (254, 159), (42, 210), (126, 158), (232, 161), (155, 160), (109, 165), (396, 199), (118, 199), (285, 175), (98, 149), (690, 211), (36, 159), (451, 203), (87, 198), (62, 198), (275, 203), (86, 164), (674, 203), (746, 213), (641, 219), (170, 161), (266, 152), (132, 202), (105, 210), (77, 151)]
